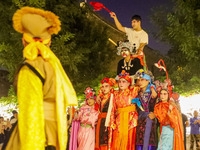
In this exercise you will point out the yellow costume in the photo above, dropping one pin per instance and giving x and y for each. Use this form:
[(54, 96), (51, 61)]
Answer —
[(42, 117)]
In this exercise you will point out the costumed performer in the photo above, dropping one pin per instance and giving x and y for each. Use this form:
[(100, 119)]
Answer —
[(88, 117), (43, 89), (146, 130), (105, 98), (129, 64), (124, 115), (171, 126)]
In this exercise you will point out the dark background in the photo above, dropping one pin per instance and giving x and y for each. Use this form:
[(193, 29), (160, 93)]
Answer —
[(125, 9)]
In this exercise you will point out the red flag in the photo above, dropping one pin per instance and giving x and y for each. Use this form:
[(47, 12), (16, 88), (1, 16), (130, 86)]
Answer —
[(98, 6)]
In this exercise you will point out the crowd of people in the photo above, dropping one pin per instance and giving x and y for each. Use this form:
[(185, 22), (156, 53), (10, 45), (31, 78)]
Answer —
[(130, 112), (5, 127)]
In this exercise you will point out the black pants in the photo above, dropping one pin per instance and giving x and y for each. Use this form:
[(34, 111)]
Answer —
[(50, 148)]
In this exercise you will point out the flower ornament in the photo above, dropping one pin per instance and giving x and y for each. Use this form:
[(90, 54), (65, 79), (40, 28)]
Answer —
[(110, 81), (143, 74), (105, 80), (125, 76), (89, 93)]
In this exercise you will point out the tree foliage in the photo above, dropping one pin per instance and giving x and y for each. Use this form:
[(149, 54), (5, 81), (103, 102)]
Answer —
[(81, 45), (180, 28)]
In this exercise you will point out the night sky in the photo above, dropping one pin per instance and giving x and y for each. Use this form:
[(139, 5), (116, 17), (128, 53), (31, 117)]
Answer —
[(125, 9)]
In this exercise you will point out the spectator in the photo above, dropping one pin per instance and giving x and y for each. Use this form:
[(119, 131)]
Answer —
[(194, 134), (2, 135), (1, 119), (185, 124), (15, 115)]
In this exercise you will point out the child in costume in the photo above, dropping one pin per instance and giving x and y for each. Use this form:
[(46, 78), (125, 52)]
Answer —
[(88, 117), (105, 97), (43, 89)]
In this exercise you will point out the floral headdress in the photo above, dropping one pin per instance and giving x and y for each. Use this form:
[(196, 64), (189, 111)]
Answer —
[(125, 76), (167, 85), (89, 93), (124, 45), (110, 81), (144, 74)]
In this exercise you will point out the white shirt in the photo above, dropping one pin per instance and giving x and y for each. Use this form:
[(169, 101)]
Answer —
[(136, 37)]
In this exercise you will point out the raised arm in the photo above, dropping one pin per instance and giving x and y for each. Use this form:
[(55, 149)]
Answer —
[(117, 23)]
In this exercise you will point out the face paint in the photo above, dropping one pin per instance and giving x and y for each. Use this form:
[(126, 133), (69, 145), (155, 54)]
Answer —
[(125, 52)]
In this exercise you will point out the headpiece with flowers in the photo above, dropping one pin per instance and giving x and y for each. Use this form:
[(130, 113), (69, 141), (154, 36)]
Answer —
[(167, 85), (89, 93), (125, 76), (164, 86), (110, 81), (144, 74), (124, 45)]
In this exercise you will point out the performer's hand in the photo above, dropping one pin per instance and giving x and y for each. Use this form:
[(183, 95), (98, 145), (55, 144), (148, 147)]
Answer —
[(153, 93), (151, 115), (171, 107), (98, 99), (113, 15)]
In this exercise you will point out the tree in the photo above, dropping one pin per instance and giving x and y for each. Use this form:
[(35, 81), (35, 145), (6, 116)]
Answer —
[(180, 28), (81, 45)]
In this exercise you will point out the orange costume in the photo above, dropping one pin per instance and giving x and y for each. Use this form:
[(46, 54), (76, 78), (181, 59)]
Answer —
[(124, 118), (173, 119)]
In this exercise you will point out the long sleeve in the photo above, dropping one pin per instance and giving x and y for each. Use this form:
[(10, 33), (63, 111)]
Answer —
[(173, 117), (191, 121), (160, 113), (94, 117), (31, 116), (88, 115)]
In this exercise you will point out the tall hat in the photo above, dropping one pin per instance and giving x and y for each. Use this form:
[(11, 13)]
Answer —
[(36, 22), (124, 45), (167, 85)]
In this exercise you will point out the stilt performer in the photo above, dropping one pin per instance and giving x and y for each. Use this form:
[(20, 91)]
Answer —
[(43, 89), (88, 117)]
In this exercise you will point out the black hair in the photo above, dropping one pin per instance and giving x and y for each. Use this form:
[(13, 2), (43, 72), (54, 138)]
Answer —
[(136, 17), (14, 112), (167, 92)]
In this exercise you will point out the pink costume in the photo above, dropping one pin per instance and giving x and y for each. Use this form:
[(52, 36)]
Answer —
[(88, 117)]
